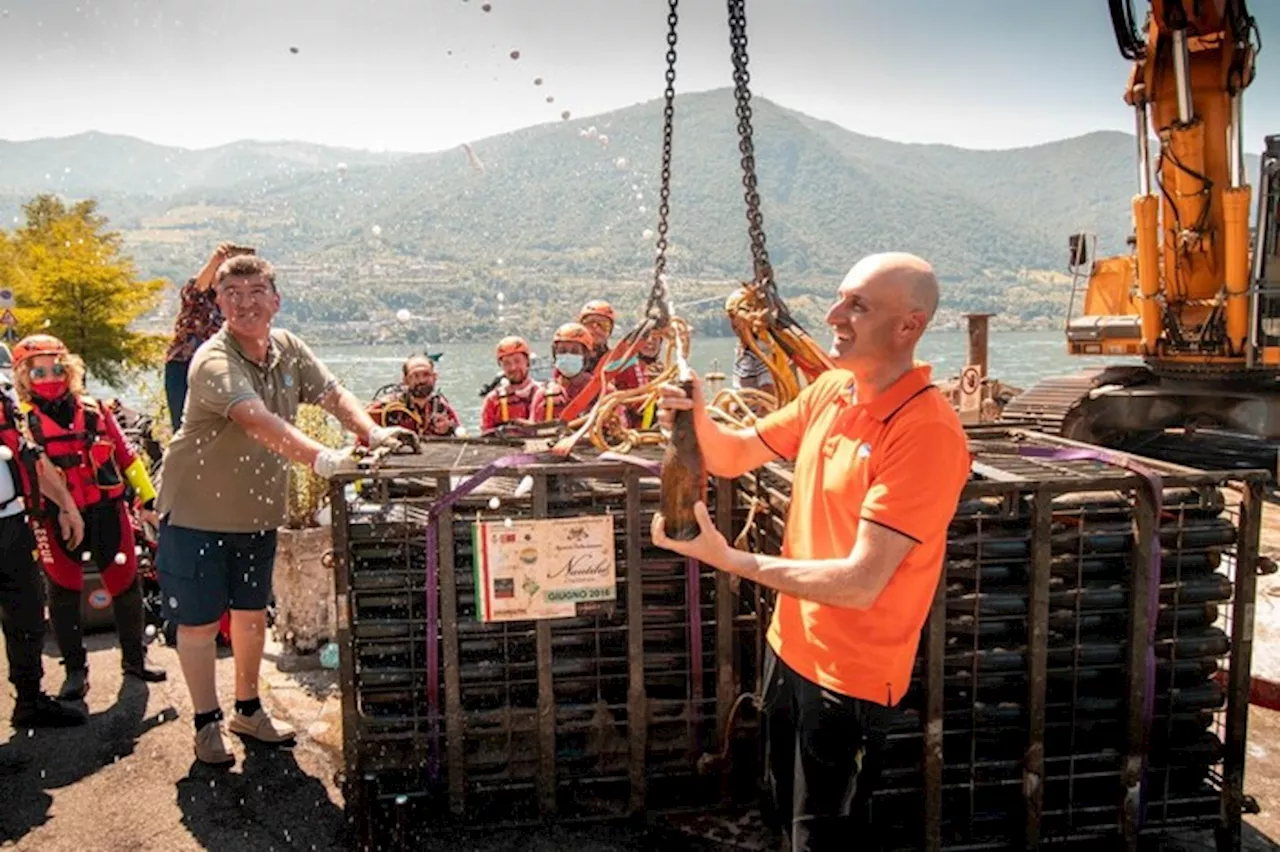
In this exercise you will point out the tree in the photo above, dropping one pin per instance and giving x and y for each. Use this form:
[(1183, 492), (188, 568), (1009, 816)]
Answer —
[(72, 279)]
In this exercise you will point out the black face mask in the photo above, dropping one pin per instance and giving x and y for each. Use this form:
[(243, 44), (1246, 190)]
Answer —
[(422, 390)]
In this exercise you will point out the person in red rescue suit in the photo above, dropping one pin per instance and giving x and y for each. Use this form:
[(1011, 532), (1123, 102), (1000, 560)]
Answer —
[(417, 405), (511, 402), (83, 440), (27, 481), (597, 317), (570, 349)]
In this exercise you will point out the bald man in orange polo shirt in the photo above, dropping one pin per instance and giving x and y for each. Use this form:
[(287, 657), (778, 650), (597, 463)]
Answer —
[(880, 461)]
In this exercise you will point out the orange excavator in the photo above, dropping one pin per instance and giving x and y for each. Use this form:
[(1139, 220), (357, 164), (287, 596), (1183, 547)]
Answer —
[(1192, 298)]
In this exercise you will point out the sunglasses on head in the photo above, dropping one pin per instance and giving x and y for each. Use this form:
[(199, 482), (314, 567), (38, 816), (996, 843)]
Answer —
[(57, 370)]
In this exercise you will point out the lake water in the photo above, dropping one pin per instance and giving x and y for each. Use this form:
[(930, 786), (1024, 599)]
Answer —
[(1019, 358)]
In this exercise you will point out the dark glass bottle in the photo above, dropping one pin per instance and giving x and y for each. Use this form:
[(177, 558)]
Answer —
[(684, 477)]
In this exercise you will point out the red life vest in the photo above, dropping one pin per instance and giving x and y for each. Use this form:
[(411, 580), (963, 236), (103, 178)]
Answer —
[(22, 456), (84, 452), (514, 404)]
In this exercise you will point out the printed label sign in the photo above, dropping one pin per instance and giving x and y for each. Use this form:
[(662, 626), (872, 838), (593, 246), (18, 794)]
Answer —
[(543, 569)]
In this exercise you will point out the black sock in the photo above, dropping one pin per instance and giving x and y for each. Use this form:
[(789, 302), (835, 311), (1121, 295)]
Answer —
[(203, 719), (248, 708)]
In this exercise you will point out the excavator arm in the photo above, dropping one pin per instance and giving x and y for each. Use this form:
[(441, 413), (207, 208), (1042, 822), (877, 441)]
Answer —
[(1192, 297), (1185, 286)]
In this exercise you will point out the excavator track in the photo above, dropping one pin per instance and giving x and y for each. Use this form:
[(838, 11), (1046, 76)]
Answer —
[(1057, 406), (1046, 406)]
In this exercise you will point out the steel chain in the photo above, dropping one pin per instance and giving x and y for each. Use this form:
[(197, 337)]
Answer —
[(658, 308), (742, 92)]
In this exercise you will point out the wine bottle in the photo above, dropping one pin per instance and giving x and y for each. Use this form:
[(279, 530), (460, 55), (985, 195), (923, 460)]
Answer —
[(684, 476)]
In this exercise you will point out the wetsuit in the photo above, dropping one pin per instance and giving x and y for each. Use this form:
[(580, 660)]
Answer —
[(84, 440), (404, 411), (508, 402), (551, 399)]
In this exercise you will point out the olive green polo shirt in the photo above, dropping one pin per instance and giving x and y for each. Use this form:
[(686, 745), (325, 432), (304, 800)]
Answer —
[(215, 476)]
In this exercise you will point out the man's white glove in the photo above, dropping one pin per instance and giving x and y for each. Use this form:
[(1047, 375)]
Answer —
[(392, 438), (330, 463)]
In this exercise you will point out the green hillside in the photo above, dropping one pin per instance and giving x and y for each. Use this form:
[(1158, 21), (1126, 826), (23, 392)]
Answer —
[(552, 215)]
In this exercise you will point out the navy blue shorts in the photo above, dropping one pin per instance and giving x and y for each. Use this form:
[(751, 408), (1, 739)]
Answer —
[(203, 574)]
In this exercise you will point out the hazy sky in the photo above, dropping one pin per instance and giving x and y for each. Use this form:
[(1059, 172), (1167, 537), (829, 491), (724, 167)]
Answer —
[(422, 75)]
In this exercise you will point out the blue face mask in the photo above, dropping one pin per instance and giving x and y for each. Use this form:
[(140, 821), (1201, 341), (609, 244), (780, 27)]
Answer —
[(569, 364)]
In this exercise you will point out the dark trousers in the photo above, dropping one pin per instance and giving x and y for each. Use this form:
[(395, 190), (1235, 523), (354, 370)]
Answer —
[(822, 751), (175, 390), (21, 606), (64, 614)]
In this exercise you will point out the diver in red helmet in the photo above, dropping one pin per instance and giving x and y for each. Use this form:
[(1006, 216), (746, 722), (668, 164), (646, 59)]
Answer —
[(511, 402), (570, 349), (83, 440), (597, 317)]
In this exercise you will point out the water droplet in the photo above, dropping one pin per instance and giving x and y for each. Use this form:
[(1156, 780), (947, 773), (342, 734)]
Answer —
[(494, 502), (551, 99), (402, 799), (377, 230), (565, 115), (487, 7), (85, 557), (506, 522), (121, 559), (403, 315), (537, 81), (648, 233), (151, 631), (621, 162), (643, 209), (173, 603), (515, 54)]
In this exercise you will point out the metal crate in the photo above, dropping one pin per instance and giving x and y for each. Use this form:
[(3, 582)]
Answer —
[(1035, 715), (451, 721)]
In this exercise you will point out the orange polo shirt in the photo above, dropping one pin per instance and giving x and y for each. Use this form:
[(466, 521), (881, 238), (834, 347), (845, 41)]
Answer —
[(900, 461)]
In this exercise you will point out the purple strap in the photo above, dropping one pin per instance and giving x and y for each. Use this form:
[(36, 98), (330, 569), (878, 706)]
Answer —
[(1156, 482), (433, 581), (652, 467)]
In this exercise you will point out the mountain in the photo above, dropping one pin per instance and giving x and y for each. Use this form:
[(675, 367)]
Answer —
[(104, 164), (561, 209)]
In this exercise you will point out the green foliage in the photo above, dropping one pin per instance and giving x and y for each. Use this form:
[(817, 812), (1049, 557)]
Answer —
[(71, 279), (308, 492)]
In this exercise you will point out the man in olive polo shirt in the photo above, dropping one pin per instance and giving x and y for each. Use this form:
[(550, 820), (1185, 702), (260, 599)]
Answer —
[(880, 461), (224, 490)]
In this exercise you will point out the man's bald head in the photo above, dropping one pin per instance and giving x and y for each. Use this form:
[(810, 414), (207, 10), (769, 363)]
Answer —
[(898, 274), (881, 310)]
